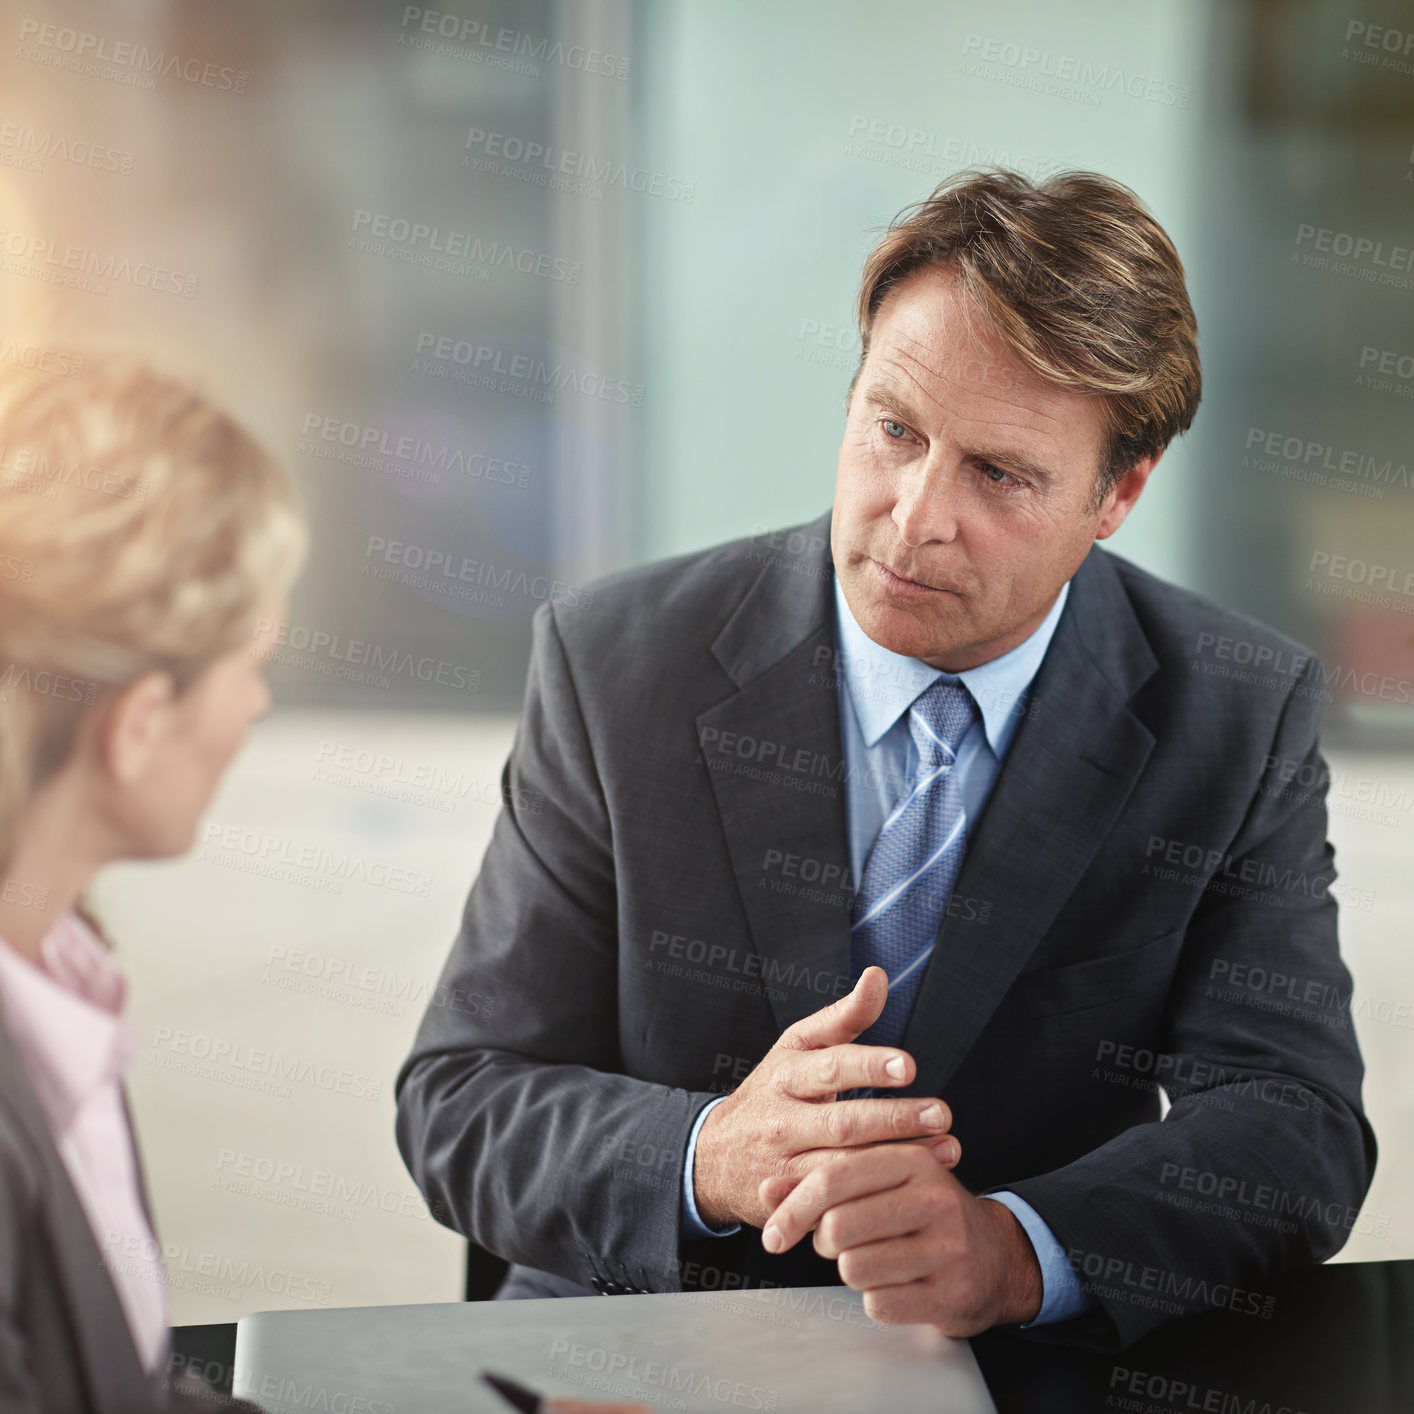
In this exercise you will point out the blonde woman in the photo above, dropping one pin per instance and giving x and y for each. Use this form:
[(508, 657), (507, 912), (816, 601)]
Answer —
[(143, 537)]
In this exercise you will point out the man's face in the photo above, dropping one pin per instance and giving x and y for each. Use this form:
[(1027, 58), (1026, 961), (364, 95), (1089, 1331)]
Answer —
[(964, 496)]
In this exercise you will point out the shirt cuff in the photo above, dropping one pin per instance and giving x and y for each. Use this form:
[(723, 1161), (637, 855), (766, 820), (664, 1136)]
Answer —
[(1062, 1294), (692, 1224)]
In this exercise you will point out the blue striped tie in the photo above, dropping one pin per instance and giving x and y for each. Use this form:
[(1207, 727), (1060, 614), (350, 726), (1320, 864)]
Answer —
[(913, 865)]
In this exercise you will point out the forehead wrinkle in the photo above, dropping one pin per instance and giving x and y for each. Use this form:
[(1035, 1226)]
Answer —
[(897, 380), (1010, 407), (907, 349), (905, 346)]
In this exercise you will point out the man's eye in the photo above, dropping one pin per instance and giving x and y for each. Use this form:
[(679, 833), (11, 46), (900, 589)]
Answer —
[(996, 475), (896, 430)]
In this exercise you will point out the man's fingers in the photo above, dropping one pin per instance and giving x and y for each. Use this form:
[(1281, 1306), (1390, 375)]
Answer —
[(947, 1151), (847, 1124), (908, 1303), (821, 1073), (842, 1020), (878, 1216), (847, 1176), (772, 1191), (889, 1261)]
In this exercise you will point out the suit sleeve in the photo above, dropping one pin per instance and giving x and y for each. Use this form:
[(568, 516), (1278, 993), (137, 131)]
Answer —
[(692, 1227), (1063, 1294), (1262, 1162), (511, 1114)]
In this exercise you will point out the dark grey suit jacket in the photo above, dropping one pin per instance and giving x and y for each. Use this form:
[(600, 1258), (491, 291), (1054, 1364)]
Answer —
[(65, 1347), (634, 944)]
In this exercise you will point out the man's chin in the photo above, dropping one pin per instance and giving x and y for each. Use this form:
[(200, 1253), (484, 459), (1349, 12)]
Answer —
[(913, 630)]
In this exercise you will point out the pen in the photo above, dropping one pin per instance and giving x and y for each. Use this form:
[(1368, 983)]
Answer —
[(516, 1395), (528, 1402)]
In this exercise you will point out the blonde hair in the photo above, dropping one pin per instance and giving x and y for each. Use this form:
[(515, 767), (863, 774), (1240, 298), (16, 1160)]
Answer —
[(141, 529)]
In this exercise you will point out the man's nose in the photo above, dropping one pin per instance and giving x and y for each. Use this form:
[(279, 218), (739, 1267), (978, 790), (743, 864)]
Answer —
[(928, 505)]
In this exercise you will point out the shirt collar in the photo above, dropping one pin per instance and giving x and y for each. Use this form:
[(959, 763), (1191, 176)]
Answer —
[(66, 1017), (883, 684)]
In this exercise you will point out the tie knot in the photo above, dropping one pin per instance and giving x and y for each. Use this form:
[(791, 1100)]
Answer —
[(941, 717)]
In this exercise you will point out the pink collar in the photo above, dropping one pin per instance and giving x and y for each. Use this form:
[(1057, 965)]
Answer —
[(66, 1017)]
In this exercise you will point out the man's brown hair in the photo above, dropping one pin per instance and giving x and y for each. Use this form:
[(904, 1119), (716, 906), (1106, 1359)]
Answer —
[(1078, 280)]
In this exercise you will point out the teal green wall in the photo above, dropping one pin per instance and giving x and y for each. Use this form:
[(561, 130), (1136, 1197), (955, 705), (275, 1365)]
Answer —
[(754, 103)]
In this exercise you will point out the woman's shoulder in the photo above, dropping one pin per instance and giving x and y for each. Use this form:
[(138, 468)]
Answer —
[(21, 1167)]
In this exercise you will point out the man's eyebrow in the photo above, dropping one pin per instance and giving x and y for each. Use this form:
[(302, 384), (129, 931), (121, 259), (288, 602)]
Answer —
[(882, 396), (1016, 460)]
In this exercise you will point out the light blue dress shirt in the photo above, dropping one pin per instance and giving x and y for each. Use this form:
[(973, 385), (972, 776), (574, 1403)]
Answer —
[(876, 689)]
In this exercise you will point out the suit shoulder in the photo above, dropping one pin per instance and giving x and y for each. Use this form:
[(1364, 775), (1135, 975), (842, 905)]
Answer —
[(20, 1169), (691, 594), (1183, 625)]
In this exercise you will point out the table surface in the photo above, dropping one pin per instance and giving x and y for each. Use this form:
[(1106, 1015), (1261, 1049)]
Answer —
[(798, 1350), (1340, 1340)]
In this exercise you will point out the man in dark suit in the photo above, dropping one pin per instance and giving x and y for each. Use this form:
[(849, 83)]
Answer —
[(926, 824)]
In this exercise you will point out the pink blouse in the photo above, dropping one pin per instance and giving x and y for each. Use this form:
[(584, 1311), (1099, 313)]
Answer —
[(65, 1018)]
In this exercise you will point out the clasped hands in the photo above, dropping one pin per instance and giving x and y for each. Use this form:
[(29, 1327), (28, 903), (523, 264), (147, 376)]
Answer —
[(871, 1178)]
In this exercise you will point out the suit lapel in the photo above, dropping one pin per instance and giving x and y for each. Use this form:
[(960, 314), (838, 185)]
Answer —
[(773, 755), (1071, 766), (112, 1370)]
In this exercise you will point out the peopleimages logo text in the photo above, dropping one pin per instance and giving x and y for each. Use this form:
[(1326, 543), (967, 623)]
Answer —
[(85, 48), (581, 165), (1065, 68)]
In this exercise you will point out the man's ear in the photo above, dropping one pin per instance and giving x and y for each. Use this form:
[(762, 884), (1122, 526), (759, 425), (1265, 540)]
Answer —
[(1121, 498), (137, 722)]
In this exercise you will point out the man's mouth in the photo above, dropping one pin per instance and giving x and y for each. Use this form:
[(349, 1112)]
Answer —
[(897, 583)]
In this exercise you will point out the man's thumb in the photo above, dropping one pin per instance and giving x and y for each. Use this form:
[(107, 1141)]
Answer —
[(841, 1021)]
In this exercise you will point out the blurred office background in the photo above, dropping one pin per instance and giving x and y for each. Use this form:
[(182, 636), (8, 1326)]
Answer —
[(560, 286)]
